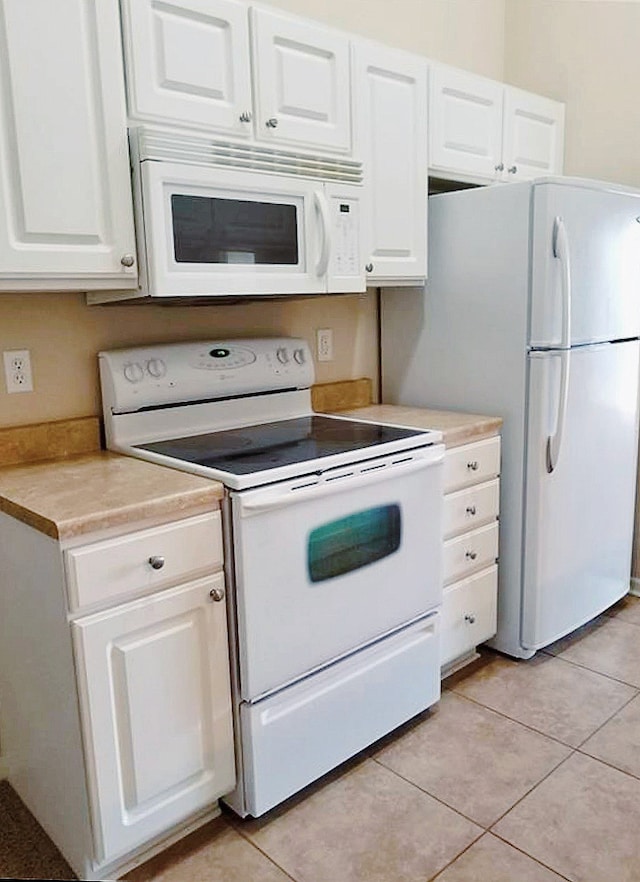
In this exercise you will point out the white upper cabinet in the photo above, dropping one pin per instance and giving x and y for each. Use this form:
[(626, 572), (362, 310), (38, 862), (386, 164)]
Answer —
[(66, 215), (482, 130), (391, 139), (465, 122), (301, 82), (188, 63), (533, 135)]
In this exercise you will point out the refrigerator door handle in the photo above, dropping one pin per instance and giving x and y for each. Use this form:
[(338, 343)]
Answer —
[(561, 253), (554, 441)]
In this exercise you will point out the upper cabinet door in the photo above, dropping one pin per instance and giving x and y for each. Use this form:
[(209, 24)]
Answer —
[(301, 82), (66, 214), (465, 122), (188, 63), (391, 129), (533, 135)]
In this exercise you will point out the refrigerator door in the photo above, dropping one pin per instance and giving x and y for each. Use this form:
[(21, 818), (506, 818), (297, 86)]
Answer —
[(578, 516), (601, 232)]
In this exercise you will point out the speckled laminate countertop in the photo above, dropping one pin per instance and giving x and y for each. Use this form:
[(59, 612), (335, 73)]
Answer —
[(456, 428), (97, 491)]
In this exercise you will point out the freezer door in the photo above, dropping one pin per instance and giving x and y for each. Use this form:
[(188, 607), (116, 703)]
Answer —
[(601, 229), (579, 516)]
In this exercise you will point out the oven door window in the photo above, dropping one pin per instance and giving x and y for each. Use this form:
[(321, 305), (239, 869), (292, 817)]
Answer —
[(352, 542), (212, 230)]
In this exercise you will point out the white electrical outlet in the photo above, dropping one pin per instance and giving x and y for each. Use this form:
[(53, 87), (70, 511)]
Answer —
[(17, 370), (324, 344)]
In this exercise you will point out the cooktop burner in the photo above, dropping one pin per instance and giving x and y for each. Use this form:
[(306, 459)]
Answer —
[(271, 445)]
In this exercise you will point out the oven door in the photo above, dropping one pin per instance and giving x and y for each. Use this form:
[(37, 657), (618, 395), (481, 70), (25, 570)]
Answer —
[(326, 564), (212, 231)]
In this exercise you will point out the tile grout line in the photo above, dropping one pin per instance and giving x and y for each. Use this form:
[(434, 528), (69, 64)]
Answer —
[(526, 854), (584, 667), (271, 860)]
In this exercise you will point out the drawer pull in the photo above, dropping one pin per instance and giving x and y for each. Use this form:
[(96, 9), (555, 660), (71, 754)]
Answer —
[(471, 555), (473, 466), (471, 510), (156, 562), (217, 594), (470, 618)]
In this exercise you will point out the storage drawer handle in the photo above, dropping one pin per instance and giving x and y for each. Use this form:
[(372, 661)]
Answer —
[(156, 561), (470, 618), (471, 555), (473, 466), (471, 510), (217, 594)]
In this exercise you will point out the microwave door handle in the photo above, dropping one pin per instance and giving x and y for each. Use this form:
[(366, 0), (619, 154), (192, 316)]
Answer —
[(322, 207)]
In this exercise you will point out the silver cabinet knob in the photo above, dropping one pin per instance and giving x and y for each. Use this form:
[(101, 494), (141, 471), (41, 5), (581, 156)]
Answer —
[(473, 466), (470, 618), (513, 169), (369, 267), (471, 555), (245, 116), (217, 594), (156, 562), (127, 260), (272, 123), (499, 167), (471, 510)]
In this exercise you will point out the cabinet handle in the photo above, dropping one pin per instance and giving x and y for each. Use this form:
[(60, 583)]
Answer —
[(471, 555), (473, 466), (127, 260), (471, 510), (513, 169), (217, 594), (499, 167), (272, 123), (156, 562), (470, 618), (369, 267), (245, 116)]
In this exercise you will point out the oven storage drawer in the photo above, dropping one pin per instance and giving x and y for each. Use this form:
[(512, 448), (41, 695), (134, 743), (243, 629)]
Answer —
[(115, 568), (471, 508), (469, 612), (357, 700), (471, 464), (472, 551)]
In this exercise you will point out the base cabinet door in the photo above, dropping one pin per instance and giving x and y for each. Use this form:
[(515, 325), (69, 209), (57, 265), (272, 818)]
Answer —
[(391, 126), (156, 712), (66, 213)]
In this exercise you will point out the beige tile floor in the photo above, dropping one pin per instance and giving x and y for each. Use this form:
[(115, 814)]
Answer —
[(524, 772)]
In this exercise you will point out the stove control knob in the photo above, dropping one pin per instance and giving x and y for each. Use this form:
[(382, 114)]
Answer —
[(299, 356), (282, 355), (156, 367), (133, 372)]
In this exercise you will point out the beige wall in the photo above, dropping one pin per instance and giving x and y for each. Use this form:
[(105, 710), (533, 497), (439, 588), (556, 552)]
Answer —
[(64, 335)]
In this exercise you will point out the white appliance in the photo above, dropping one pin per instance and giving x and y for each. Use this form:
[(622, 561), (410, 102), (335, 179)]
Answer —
[(532, 313), (333, 547), (215, 219)]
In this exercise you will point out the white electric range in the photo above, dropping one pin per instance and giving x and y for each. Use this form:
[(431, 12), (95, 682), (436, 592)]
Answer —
[(333, 532)]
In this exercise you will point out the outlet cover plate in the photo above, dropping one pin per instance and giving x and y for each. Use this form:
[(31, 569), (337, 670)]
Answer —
[(17, 370)]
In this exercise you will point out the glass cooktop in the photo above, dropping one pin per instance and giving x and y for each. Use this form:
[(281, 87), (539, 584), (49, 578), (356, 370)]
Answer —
[(272, 445)]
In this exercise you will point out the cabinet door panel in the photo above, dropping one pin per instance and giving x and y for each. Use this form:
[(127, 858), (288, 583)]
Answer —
[(392, 141), (301, 82), (156, 710), (64, 184), (466, 122), (533, 135), (188, 62)]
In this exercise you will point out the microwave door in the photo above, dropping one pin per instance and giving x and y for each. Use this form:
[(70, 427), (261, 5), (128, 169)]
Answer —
[(219, 232)]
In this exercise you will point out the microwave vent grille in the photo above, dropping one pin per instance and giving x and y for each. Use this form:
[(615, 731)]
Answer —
[(153, 144)]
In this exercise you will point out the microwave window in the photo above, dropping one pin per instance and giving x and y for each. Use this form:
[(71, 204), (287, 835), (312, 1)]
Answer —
[(211, 230)]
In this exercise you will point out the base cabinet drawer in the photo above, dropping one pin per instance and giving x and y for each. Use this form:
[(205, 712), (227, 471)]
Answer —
[(471, 508), (469, 614), (471, 464), (470, 552)]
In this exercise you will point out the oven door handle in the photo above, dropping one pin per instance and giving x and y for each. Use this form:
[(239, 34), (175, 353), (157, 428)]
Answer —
[(272, 498), (325, 225)]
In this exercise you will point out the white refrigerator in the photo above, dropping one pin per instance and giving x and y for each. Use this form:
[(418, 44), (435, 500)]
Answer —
[(532, 313)]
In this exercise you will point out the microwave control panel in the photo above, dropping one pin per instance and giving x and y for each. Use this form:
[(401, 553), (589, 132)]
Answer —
[(346, 229)]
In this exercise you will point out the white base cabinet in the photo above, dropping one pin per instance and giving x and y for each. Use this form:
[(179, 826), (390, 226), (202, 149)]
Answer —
[(66, 213), (469, 604), (117, 720)]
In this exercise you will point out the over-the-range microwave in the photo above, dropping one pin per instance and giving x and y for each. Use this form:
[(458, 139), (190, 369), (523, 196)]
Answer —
[(218, 220)]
